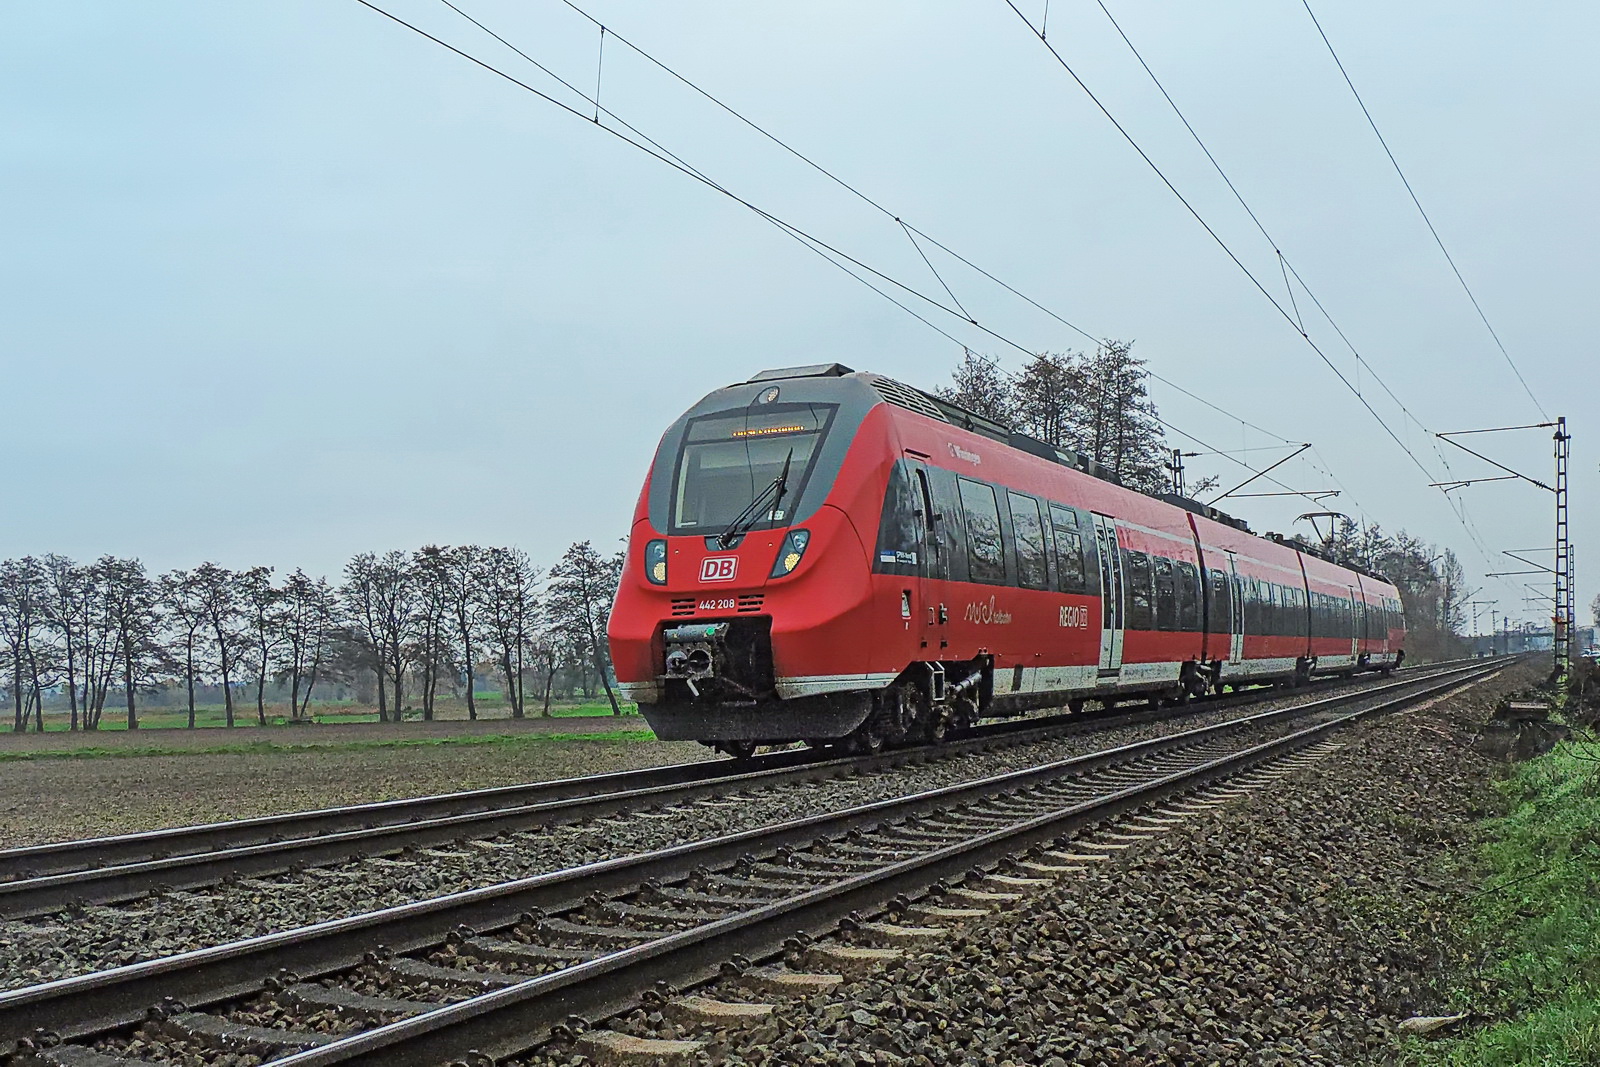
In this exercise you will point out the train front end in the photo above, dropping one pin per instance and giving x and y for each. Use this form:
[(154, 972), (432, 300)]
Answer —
[(745, 611)]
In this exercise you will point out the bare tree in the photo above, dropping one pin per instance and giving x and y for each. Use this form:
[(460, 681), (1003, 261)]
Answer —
[(133, 614), (305, 624), (216, 589), (64, 581), (1049, 398), (381, 599), (23, 619), (186, 615), (1121, 431), (465, 569), (578, 601), (434, 577), (259, 603), (978, 385), (509, 609)]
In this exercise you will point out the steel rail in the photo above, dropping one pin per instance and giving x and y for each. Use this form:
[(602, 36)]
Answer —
[(95, 1003), (109, 881), (514, 1019), (87, 854)]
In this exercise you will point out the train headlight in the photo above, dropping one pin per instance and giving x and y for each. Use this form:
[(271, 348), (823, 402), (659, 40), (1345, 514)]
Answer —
[(790, 552), (655, 562)]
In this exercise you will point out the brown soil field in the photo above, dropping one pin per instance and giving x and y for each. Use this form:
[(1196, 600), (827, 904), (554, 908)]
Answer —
[(311, 734), (55, 798)]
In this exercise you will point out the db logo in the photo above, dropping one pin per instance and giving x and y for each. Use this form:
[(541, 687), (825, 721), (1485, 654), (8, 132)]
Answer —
[(719, 568)]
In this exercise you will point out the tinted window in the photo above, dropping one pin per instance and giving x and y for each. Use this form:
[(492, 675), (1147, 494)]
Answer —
[(1070, 569), (899, 530), (986, 561), (728, 460), (1028, 527), (1221, 604), (1188, 580), (1136, 565), (1166, 595)]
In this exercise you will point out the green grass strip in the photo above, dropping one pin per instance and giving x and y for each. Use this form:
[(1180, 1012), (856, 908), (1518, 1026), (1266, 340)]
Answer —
[(1534, 924), (269, 746)]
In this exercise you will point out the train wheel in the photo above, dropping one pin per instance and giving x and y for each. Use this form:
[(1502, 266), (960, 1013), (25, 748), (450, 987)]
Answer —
[(739, 750), (867, 740), (937, 726)]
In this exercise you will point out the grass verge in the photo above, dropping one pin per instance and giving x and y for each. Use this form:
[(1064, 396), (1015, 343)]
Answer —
[(270, 746), (1530, 938)]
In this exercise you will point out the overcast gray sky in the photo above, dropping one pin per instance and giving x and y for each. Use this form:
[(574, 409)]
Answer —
[(281, 282)]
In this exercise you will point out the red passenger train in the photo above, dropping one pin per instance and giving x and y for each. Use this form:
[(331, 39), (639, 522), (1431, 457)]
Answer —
[(826, 555)]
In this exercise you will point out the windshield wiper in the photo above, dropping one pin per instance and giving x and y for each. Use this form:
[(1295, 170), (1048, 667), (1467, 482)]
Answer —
[(748, 517)]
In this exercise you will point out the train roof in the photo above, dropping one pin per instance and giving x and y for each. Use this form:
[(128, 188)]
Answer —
[(936, 407)]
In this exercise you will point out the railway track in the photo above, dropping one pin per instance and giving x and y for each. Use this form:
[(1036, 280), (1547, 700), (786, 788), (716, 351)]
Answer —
[(501, 969), (40, 879)]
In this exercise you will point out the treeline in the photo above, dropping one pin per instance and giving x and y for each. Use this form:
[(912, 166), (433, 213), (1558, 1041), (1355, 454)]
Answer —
[(1096, 404), (415, 624)]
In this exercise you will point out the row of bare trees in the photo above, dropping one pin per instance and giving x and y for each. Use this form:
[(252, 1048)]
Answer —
[(416, 624), (1096, 404)]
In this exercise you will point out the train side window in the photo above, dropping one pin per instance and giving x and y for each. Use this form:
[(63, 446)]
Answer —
[(900, 540), (1136, 565), (1221, 603), (1188, 579), (1070, 570), (1028, 528), (1166, 595), (986, 559)]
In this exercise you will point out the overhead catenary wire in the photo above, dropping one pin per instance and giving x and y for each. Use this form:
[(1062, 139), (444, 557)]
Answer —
[(828, 251), (1422, 211), (1227, 250), (911, 230), (655, 151), (1456, 508)]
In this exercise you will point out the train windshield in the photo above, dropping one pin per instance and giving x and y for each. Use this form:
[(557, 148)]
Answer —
[(729, 460)]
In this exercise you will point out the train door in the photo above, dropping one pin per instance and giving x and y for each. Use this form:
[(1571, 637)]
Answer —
[(1236, 603), (1355, 622), (1111, 595), (930, 611)]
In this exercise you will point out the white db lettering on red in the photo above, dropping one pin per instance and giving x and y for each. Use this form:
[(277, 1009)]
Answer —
[(719, 568)]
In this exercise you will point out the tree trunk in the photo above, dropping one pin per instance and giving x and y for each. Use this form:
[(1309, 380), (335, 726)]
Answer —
[(311, 681), (227, 687), (261, 693), (549, 683), (188, 671), (399, 690), (466, 658), (383, 699), (127, 688), (72, 682), (600, 668), (512, 696)]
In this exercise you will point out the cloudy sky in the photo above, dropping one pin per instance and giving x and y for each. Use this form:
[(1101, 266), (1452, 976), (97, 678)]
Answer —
[(284, 281)]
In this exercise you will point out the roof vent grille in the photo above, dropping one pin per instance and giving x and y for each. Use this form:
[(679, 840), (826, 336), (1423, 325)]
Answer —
[(906, 397)]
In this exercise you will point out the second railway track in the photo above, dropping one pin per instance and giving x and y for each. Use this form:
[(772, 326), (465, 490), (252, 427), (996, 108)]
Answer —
[(40, 879)]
